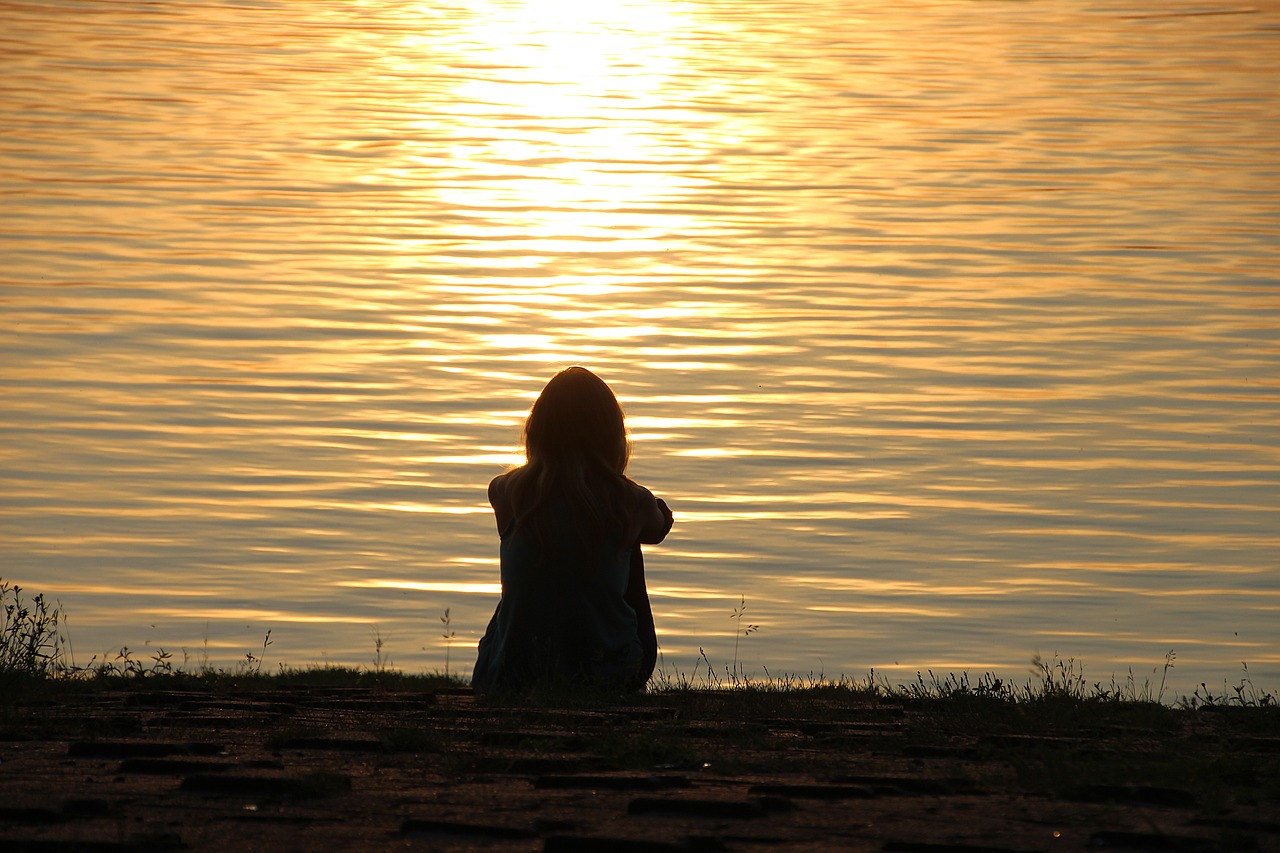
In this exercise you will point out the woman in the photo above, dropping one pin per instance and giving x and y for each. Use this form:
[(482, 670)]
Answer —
[(574, 608)]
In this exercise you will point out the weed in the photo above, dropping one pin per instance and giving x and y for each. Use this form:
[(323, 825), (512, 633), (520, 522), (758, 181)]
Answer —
[(951, 686), (125, 665), (711, 673), (32, 636), (1244, 695), (1164, 673), (381, 662), (160, 663), (738, 633), (1059, 679), (34, 648), (448, 640), (204, 650), (252, 664), (665, 680)]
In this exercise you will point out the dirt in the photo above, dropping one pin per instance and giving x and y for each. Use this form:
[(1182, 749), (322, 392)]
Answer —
[(311, 768)]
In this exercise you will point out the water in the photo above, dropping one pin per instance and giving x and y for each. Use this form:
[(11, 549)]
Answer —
[(949, 330)]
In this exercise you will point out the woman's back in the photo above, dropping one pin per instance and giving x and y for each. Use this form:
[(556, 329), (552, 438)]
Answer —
[(574, 607), (565, 616)]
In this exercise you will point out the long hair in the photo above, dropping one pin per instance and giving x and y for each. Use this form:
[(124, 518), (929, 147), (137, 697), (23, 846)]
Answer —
[(576, 447)]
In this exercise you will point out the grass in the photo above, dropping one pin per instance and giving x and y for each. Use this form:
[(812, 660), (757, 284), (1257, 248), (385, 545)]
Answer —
[(34, 650), (32, 636)]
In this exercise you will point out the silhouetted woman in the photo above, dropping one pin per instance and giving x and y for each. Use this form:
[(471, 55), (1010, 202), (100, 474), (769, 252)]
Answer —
[(574, 608)]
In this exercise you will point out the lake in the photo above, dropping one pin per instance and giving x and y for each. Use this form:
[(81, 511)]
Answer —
[(949, 330)]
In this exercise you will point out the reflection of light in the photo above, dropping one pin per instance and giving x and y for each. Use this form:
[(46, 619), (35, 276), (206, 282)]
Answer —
[(501, 459), (712, 452), (942, 665), (651, 422), (249, 615), (688, 366), (707, 555), (96, 589), (432, 508), (889, 610), (1141, 566), (548, 129), (690, 515), (518, 341), (894, 587), (570, 99), (419, 586), (650, 436), (683, 592)]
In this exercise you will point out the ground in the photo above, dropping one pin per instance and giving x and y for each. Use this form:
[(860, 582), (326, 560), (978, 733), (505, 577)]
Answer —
[(262, 767)]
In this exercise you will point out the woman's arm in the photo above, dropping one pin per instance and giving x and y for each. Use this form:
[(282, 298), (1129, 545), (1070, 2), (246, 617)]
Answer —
[(638, 597), (655, 520), (498, 500)]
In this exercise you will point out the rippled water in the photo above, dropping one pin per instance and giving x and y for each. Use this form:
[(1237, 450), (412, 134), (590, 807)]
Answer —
[(949, 330)]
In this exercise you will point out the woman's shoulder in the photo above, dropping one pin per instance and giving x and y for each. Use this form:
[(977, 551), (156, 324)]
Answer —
[(637, 492), (500, 487), (504, 480), (500, 499)]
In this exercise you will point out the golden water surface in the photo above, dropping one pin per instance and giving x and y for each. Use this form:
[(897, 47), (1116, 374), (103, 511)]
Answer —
[(948, 329)]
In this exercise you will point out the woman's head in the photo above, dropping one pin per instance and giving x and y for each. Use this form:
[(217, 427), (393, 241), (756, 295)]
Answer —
[(576, 420)]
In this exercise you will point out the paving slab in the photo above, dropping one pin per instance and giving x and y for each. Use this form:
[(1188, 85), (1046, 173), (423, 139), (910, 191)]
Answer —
[(380, 769)]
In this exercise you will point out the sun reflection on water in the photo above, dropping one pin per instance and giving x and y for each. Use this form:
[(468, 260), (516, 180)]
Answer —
[(574, 100)]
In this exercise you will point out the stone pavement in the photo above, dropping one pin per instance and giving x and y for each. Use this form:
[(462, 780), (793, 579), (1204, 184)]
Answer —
[(314, 768)]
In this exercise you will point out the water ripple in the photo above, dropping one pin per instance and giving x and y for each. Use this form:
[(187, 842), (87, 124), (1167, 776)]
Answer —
[(949, 335)]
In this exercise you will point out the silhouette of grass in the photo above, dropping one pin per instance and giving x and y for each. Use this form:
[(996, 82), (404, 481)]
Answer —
[(32, 636), (34, 650)]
